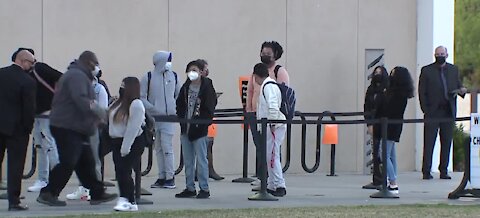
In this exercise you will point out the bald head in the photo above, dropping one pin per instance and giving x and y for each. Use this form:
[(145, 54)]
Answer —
[(25, 60), (441, 55)]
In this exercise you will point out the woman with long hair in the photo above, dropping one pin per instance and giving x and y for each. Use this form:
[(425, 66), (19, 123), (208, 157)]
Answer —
[(126, 118), (393, 107)]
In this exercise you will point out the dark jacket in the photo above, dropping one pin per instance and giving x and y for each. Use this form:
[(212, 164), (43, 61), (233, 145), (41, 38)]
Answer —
[(391, 105), (208, 101), (71, 103), (17, 101), (430, 88), (45, 95)]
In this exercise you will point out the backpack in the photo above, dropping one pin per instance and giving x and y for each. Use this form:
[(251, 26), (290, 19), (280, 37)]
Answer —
[(287, 107)]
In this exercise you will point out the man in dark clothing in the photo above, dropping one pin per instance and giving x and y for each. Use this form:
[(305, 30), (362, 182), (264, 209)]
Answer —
[(17, 111), (73, 118), (102, 82), (438, 87)]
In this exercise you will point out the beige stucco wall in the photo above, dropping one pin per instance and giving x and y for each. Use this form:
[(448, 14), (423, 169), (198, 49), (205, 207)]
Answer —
[(324, 43)]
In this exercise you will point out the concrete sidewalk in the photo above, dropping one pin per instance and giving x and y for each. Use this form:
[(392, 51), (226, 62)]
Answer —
[(302, 190)]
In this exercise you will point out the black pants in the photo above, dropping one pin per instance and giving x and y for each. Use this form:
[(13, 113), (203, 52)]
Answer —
[(430, 135), (17, 150), (125, 165), (75, 154), (377, 172)]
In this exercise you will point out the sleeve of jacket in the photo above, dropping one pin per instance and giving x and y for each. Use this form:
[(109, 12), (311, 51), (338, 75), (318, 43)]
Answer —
[(210, 99), (422, 90), (181, 104), (29, 102), (249, 106), (143, 95), (367, 106), (459, 82)]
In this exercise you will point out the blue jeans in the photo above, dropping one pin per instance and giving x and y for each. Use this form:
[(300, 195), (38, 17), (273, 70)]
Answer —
[(47, 155), (391, 161), (195, 150)]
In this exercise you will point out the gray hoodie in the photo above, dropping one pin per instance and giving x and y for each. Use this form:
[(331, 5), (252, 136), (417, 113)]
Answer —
[(71, 104), (164, 89)]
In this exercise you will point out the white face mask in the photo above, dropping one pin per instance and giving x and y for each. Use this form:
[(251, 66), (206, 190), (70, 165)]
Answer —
[(95, 72), (168, 66), (192, 75)]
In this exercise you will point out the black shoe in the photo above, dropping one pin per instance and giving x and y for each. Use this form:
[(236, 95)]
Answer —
[(427, 176), (203, 194), (280, 192), (50, 200), (186, 194), (158, 184), (445, 176), (215, 176), (371, 186), (106, 197), (17, 207)]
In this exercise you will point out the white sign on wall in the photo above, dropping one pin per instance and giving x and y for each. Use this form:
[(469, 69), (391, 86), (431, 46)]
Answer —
[(474, 150)]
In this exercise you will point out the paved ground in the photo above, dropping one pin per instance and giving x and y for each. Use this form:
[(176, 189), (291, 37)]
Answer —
[(302, 190)]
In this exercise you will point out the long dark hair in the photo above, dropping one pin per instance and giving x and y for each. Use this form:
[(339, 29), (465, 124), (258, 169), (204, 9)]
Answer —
[(129, 91), (401, 82)]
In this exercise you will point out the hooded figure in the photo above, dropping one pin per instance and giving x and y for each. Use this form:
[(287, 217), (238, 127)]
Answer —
[(159, 91)]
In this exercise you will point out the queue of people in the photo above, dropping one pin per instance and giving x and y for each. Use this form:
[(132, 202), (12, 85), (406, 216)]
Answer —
[(79, 106)]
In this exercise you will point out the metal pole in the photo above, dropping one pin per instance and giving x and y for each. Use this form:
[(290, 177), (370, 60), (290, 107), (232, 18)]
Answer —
[(384, 193), (244, 178), (138, 183), (263, 195), (332, 161)]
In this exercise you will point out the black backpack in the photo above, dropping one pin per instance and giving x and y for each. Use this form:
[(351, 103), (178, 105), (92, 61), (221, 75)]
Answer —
[(289, 100)]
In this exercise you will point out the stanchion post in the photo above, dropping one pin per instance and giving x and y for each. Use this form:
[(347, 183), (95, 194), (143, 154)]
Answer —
[(244, 178), (263, 195), (332, 161), (138, 184), (384, 193)]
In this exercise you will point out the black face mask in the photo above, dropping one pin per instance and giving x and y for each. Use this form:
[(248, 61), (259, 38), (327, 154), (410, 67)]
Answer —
[(266, 59), (440, 60)]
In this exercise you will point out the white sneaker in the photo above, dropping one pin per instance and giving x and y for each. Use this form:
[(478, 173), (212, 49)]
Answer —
[(124, 205), (80, 194), (37, 186), (255, 183)]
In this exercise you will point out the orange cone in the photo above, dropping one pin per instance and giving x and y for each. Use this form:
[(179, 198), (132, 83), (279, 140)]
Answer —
[(330, 135)]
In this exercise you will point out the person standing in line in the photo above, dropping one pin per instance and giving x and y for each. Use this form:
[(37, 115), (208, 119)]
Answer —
[(268, 106), (197, 100), (74, 117), (270, 52), (375, 90), (438, 87), (126, 118), (204, 71), (159, 91), (392, 105), (17, 112)]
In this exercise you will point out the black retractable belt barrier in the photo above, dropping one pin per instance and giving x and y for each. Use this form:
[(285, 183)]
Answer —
[(304, 141), (332, 148), (244, 178), (138, 184)]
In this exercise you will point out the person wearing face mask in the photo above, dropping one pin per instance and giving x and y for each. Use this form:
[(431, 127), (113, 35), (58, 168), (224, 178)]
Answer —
[(375, 91), (17, 112), (438, 87), (197, 100), (159, 89), (74, 117), (270, 52), (101, 97)]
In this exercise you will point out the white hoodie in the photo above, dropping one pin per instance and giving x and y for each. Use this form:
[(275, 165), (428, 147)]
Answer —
[(269, 101)]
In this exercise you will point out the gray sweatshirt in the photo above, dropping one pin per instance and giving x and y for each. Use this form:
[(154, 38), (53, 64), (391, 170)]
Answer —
[(164, 89), (71, 106)]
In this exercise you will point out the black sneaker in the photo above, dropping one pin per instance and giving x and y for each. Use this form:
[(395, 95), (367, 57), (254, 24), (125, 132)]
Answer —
[(427, 176), (371, 186), (169, 183), (186, 194), (50, 200), (280, 192), (158, 184), (106, 197), (203, 194)]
